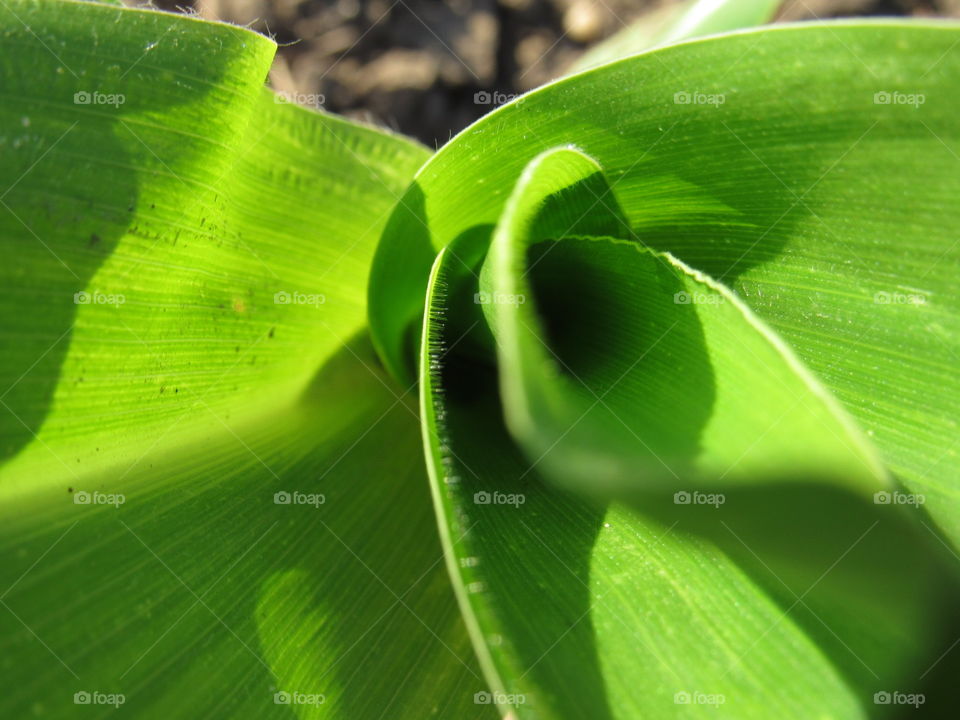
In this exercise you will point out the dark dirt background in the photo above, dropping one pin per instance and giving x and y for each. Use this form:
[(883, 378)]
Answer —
[(417, 65)]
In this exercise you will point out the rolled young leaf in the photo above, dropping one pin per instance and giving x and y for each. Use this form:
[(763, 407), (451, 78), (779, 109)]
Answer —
[(817, 182), (622, 369)]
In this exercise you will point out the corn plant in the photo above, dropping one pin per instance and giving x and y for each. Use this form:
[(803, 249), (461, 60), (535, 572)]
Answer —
[(637, 399)]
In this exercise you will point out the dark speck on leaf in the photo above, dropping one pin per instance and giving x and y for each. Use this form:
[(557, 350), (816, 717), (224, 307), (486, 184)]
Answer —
[(69, 489), (176, 390), (94, 239), (270, 334), (162, 389)]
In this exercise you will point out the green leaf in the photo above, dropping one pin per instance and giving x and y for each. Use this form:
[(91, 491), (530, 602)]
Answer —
[(198, 594), (207, 482), (154, 241), (622, 368), (770, 600), (677, 22), (805, 191), (145, 437)]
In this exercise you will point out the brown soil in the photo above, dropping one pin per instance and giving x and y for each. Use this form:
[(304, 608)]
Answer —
[(428, 68)]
